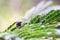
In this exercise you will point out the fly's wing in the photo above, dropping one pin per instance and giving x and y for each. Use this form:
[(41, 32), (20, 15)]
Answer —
[(35, 10)]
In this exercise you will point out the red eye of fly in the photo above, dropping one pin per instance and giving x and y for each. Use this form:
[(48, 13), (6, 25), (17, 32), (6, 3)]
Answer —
[(18, 24)]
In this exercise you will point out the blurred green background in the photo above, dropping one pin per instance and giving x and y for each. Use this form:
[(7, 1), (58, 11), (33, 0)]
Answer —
[(13, 10)]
